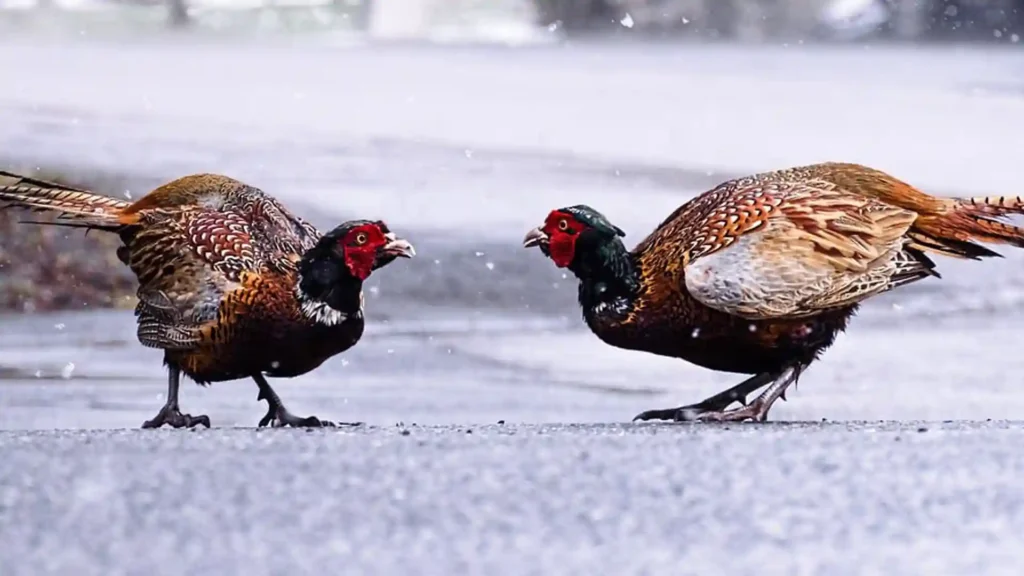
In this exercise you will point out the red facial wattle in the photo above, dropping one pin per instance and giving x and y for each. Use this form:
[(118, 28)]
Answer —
[(360, 261), (562, 248), (360, 248)]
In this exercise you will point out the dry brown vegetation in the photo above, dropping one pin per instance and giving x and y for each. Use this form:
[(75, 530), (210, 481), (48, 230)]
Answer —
[(46, 268)]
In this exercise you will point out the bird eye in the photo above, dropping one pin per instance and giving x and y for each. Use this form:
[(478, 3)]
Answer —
[(563, 224), (361, 238)]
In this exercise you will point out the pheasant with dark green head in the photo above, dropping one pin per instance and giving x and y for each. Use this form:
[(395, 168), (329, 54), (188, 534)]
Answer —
[(758, 275)]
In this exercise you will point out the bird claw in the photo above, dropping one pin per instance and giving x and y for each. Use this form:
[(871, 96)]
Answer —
[(691, 412), (310, 422), (279, 417), (282, 418), (697, 414), (714, 409), (172, 416), (666, 414), (756, 412)]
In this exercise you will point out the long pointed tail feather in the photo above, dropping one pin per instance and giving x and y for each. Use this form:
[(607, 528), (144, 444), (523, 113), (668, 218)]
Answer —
[(87, 209), (956, 230)]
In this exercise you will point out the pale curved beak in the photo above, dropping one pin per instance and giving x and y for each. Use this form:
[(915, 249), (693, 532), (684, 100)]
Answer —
[(397, 247), (535, 237)]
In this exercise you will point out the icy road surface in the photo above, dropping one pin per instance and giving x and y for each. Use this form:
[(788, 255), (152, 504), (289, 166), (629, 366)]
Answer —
[(778, 500)]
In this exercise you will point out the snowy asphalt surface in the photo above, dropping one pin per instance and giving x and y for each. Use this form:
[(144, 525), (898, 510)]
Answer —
[(828, 499), (463, 150)]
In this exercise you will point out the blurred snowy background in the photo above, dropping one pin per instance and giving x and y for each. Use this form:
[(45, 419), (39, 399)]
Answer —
[(462, 123), (532, 21)]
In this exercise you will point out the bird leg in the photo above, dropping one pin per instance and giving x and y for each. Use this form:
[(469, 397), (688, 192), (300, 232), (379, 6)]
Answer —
[(757, 410), (170, 413), (717, 403), (277, 415)]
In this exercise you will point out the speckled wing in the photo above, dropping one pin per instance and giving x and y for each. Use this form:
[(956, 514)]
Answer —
[(201, 270), (283, 235), (792, 249), (186, 262)]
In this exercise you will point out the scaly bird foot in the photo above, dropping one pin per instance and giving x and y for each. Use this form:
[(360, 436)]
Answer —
[(691, 412), (661, 414), (170, 414), (756, 411), (713, 405), (279, 416)]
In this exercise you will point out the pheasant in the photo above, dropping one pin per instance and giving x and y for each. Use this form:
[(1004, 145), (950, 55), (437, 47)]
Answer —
[(231, 284), (758, 275)]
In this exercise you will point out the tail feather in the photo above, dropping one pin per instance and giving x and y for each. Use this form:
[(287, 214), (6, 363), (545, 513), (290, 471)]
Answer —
[(994, 205), (87, 209), (956, 230)]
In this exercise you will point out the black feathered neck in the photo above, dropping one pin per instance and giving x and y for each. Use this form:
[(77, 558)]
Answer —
[(608, 276), (325, 277)]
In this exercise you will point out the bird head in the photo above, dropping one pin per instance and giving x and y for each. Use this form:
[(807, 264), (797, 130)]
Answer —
[(351, 251), (363, 246), (569, 232)]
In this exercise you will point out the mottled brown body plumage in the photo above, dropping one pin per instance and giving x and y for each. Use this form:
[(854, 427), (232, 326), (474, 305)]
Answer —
[(221, 286), (759, 274), (235, 277)]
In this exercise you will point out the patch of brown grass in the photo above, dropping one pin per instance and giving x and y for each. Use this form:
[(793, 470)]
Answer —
[(46, 268)]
